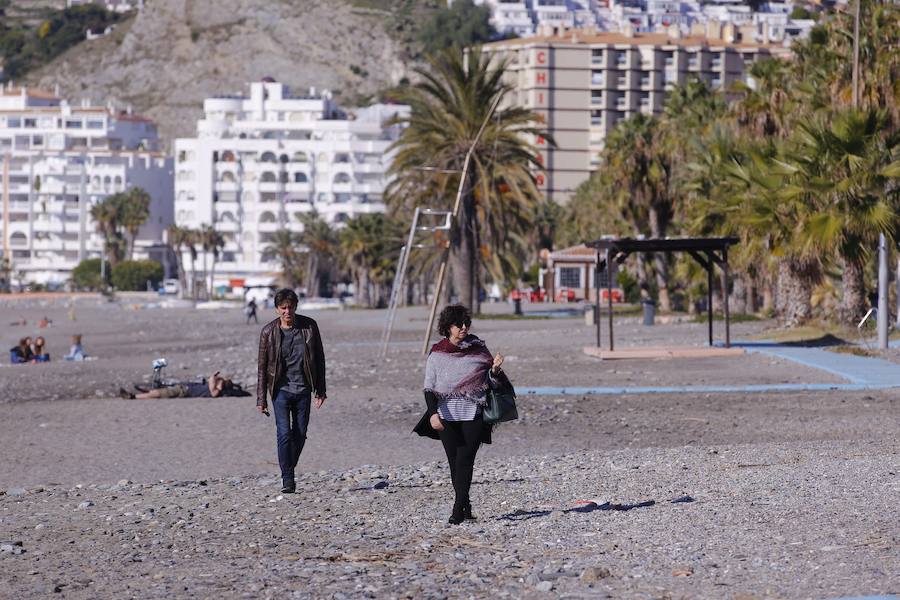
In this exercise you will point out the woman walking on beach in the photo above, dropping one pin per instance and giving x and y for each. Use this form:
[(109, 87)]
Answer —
[(458, 373)]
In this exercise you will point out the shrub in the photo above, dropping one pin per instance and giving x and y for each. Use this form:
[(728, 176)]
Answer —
[(86, 276), (132, 275)]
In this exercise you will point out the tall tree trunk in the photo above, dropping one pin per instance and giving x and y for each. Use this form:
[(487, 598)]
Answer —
[(194, 278), (182, 276), (738, 298), (793, 291), (365, 297), (854, 303), (463, 253), (659, 260), (205, 292), (212, 275)]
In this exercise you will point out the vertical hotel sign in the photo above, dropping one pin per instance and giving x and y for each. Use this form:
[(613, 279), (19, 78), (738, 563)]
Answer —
[(543, 107)]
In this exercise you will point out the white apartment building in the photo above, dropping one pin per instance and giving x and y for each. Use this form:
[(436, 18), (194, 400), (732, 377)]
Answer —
[(120, 6), (57, 161), (582, 83), (259, 162), (525, 18)]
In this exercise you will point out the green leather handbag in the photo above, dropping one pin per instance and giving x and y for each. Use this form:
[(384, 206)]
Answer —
[(501, 405)]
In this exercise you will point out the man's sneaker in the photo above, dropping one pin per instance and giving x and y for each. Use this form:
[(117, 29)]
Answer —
[(123, 393), (288, 486)]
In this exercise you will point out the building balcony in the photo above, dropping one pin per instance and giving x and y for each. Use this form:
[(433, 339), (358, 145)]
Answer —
[(227, 186), (228, 226), (270, 186), (298, 187)]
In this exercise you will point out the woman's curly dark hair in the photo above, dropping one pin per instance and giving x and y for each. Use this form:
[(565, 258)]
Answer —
[(453, 314)]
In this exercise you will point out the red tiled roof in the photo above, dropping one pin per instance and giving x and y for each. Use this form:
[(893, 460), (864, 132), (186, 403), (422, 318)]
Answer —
[(580, 253), (30, 92)]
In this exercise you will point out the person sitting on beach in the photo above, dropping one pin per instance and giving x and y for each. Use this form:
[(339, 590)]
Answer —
[(22, 352), (39, 350), (76, 352), (216, 386), (44, 323)]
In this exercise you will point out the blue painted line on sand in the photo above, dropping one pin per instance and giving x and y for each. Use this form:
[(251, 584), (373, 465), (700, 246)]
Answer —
[(702, 389)]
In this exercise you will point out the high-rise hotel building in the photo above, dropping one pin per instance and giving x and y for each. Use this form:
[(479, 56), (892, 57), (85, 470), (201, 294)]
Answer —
[(582, 83), (56, 161), (260, 162)]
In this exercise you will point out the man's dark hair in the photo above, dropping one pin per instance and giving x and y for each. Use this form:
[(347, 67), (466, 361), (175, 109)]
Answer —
[(454, 314), (286, 295)]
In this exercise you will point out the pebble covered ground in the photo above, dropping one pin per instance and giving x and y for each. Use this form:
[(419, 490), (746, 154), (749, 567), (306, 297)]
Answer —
[(788, 495)]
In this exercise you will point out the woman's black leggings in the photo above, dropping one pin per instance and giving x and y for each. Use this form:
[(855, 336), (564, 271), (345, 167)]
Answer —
[(461, 440)]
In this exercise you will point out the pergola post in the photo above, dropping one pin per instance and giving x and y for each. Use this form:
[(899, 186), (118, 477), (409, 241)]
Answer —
[(725, 296), (709, 294), (609, 298), (597, 298)]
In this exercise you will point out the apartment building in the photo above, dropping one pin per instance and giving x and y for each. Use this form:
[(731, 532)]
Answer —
[(260, 162), (57, 161), (582, 83)]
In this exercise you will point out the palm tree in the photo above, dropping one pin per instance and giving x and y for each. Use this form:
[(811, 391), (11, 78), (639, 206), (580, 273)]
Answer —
[(369, 246), (842, 166), (212, 243), (763, 109), (134, 207), (318, 241), (283, 247), (448, 108), (106, 216), (178, 238), (637, 161)]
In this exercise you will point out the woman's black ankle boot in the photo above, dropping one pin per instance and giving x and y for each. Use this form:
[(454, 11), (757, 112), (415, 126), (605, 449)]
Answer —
[(467, 512), (457, 516)]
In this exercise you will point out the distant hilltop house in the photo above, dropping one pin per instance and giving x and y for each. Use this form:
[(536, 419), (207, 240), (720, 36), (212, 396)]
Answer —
[(57, 160), (118, 6), (261, 162)]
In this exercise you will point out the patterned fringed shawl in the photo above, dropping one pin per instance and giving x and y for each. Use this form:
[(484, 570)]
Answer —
[(459, 371)]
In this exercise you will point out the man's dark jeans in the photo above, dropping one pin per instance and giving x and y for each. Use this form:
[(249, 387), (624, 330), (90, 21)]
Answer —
[(291, 421)]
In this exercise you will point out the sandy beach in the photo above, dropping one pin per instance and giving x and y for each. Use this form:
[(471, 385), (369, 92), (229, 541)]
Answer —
[(777, 494)]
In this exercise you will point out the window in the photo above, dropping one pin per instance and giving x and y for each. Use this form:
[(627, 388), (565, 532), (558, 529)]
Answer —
[(95, 124), (621, 59), (597, 55), (30, 123), (13, 122), (597, 78), (596, 97), (74, 124), (570, 277), (669, 58)]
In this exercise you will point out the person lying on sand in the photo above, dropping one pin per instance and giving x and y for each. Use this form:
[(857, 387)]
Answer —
[(216, 386)]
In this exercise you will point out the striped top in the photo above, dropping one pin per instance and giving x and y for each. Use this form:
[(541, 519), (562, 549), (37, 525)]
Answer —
[(463, 408)]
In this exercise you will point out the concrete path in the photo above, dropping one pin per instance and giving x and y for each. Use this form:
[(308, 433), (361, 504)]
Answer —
[(860, 372)]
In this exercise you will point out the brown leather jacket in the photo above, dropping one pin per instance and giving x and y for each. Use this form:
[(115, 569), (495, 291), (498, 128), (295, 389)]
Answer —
[(271, 365)]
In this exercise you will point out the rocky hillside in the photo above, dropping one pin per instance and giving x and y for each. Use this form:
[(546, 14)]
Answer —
[(174, 53)]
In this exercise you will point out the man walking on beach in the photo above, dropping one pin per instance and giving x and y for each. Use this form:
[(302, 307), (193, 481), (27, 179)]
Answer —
[(291, 371)]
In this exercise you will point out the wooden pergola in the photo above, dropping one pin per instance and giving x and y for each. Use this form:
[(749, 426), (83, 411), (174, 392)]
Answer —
[(706, 251)]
